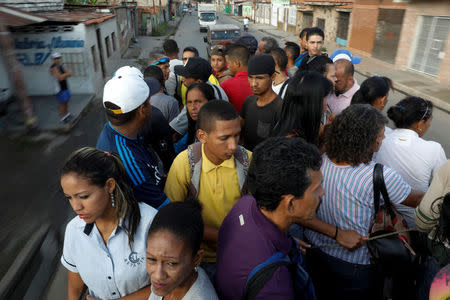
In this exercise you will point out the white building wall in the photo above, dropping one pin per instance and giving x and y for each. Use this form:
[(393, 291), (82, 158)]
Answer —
[(34, 51)]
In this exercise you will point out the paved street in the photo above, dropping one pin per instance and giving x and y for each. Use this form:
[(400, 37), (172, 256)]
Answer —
[(31, 194)]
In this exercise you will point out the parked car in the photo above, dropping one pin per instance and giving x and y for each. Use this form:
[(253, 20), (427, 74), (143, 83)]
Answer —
[(220, 33)]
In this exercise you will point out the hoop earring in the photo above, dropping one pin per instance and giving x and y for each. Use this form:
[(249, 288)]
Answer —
[(111, 196), (196, 269)]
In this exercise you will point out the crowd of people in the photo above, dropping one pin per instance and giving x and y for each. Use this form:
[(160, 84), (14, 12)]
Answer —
[(251, 176)]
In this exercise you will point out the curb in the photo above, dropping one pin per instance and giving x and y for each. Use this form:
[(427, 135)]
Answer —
[(18, 267)]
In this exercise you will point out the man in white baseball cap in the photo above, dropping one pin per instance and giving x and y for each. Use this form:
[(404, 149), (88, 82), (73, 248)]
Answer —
[(126, 99), (60, 74)]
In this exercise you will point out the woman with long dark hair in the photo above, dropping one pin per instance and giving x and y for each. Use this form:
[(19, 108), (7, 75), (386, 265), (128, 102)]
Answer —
[(404, 150), (304, 106), (105, 244)]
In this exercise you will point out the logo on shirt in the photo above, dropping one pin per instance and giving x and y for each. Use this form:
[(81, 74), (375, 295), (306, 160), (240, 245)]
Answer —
[(134, 260)]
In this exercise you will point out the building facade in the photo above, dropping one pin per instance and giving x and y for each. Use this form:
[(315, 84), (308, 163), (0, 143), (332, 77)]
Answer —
[(424, 44)]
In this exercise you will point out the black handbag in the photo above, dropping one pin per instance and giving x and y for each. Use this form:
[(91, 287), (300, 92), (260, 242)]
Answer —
[(393, 254)]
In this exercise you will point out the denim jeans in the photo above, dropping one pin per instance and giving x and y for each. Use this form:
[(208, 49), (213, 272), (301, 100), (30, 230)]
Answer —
[(334, 278)]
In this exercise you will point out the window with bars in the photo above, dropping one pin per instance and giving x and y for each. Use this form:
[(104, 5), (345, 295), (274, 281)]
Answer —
[(321, 23), (108, 46), (342, 28), (94, 58), (307, 20), (75, 63), (113, 39), (292, 20)]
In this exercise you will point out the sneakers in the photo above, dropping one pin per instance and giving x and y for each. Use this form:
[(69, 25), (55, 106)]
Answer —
[(67, 118)]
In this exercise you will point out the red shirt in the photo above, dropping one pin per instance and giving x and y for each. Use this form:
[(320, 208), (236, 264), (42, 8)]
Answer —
[(237, 89)]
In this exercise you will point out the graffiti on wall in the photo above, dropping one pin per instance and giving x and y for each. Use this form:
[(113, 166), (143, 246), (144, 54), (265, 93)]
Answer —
[(44, 49)]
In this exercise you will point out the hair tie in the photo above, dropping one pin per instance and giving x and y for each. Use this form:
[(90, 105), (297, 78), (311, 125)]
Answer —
[(400, 107)]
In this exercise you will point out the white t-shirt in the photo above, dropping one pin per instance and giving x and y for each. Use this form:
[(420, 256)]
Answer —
[(277, 88), (171, 83), (113, 270), (414, 158), (202, 289)]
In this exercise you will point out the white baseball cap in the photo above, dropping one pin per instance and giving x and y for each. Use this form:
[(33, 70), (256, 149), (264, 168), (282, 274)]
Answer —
[(56, 55), (128, 71), (127, 92)]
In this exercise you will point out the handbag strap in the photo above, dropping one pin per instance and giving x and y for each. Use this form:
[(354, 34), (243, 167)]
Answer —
[(379, 186)]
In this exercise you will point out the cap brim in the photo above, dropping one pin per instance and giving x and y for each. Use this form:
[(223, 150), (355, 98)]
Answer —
[(181, 71)]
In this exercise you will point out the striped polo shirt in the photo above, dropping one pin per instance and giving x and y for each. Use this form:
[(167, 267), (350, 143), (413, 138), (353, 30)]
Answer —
[(143, 169), (348, 203)]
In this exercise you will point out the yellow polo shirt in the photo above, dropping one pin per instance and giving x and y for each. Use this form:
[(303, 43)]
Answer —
[(218, 191)]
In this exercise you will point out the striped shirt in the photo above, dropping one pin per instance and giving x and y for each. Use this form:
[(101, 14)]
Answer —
[(144, 173), (348, 204)]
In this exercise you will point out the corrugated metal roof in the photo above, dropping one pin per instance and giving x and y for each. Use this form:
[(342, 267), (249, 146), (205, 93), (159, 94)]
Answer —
[(16, 17), (77, 16)]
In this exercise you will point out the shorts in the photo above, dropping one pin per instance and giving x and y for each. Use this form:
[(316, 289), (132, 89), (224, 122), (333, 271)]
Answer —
[(63, 96)]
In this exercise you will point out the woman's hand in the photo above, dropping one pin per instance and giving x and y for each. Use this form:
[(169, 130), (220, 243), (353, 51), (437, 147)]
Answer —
[(350, 239), (302, 245)]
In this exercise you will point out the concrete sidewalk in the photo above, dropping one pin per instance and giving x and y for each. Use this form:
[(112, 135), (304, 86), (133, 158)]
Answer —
[(406, 81)]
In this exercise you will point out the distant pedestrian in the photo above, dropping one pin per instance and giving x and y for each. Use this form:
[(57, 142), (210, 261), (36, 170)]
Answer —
[(105, 244), (219, 64), (304, 107), (174, 254), (292, 51), (237, 88), (60, 74), (303, 47), (281, 81), (168, 105), (266, 45), (126, 99), (314, 43), (260, 111), (345, 86), (172, 51), (404, 150)]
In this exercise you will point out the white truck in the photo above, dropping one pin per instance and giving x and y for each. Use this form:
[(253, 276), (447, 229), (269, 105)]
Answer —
[(206, 15)]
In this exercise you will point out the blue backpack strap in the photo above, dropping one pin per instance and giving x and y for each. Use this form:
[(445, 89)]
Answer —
[(262, 273)]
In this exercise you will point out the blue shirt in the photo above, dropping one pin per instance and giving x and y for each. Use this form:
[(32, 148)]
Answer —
[(348, 204), (113, 270), (299, 59), (141, 165)]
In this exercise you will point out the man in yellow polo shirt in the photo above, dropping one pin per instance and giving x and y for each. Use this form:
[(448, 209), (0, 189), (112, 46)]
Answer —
[(213, 171)]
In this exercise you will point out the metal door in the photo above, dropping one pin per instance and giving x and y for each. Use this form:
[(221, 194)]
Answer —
[(430, 45)]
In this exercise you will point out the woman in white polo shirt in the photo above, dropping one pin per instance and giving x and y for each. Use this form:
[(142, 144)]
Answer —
[(104, 246), (415, 159)]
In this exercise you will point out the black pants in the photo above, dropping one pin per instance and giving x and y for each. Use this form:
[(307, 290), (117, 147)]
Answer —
[(334, 278)]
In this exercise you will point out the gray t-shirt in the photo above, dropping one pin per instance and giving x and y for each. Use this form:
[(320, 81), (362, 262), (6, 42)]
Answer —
[(202, 289), (168, 105)]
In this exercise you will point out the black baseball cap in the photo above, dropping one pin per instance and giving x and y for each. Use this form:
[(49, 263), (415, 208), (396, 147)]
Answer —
[(196, 67)]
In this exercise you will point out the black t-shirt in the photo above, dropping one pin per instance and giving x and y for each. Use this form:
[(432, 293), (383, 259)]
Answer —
[(63, 83), (157, 135), (259, 120)]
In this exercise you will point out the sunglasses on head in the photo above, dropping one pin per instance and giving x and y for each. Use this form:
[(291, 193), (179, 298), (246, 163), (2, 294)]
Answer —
[(162, 60)]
